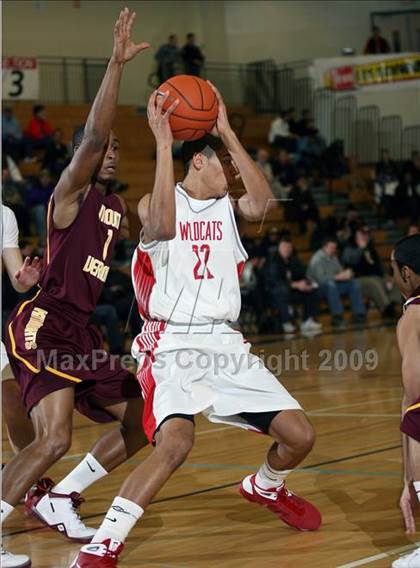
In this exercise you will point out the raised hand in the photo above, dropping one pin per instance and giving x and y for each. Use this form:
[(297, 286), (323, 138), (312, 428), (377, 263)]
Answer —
[(159, 119), (222, 129), (124, 48), (29, 273)]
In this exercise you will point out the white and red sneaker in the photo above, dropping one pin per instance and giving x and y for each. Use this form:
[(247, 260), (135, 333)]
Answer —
[(58, 511), (9, 560), (290, 508), (411, 560), (99, 555)]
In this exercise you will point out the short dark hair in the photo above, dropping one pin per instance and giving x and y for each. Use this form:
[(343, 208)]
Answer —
[(376, 29), (77, 137), (37, 109), (407, 253), (208, 143), (190, 35), (329, 239)]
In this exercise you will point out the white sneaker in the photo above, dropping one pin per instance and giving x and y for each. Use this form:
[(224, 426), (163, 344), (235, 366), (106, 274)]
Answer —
[(61, 512), (288, 327), (411, 560), (9, 560), (310, 325)]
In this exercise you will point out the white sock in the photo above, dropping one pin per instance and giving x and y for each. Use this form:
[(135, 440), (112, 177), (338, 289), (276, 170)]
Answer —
[(119, 520), (87, 472), (416, 485), (268, 477), (6, 509)]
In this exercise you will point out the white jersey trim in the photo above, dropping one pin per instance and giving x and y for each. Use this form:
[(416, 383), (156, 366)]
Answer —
[(236, 232), (146, 246), (189, 199)]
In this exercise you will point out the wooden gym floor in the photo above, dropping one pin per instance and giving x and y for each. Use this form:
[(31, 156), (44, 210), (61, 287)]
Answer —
[(199, 521)]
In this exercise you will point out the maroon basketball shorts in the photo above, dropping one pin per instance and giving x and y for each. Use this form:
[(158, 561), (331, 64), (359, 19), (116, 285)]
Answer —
[(51, 348), (410, 424)]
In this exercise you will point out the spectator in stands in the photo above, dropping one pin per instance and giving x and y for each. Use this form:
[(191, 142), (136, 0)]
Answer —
[(334, 281), (167, 56), (192, 56), (413, 167), (279, 135), (348, 225), (361, 256), (251, 290), (284, 173), (270, 242), (304, 126), (38, 193), (39, 131), (334, 160), (302, 207), (263, 163), (286, 285), (407, 199), (327, 226), (11, 135), (386, 182), (56, 155), (292, 121), (13, 195), (376, 43)]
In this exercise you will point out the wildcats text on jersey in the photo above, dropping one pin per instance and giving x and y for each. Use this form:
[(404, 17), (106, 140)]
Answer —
[(201, 230)]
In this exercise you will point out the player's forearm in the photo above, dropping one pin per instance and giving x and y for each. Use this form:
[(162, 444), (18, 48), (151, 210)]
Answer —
[(259, 195), (102, 113), (161, 225)]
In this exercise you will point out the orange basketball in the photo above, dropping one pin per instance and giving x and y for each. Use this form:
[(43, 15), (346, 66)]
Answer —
[(196, 112)]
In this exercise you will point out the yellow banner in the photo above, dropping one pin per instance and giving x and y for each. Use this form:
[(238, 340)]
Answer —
[(390, 70)]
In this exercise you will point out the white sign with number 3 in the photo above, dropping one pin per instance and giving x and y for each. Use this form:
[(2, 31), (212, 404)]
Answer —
[(20, 78)]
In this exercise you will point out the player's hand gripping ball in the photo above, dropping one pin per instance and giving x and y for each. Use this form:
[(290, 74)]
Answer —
[(196, 113)]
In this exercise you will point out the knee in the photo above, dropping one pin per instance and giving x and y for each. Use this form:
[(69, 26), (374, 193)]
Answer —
[(176, 452), (57, 444), (301, 438)]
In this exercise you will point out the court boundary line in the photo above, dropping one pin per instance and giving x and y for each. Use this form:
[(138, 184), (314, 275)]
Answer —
[(380, 556), (219, 487)]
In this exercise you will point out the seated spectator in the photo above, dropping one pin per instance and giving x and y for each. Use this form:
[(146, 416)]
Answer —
[(13, 195), (263, 163), (386, 182), (303, 125), (39, 131), (327, 227), (38, 193), (166, 56), (413, 167), (269, 243), (279, 134), (56, 155), (11, 135), (376, 43), (292, 121), (348, 225), (302, 208), (407, 199), (251, 292), (284, 173), (334, 160), (192, 56), (286, 285), (334, 281), (362, 257)]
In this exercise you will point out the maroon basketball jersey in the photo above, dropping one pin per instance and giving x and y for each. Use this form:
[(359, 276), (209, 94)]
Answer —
[(77, 258), (415, 299)]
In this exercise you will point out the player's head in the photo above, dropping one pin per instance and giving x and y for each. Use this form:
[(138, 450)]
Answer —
[(107, 168), (39, 111), (405, 261), (330, 246), (208, 160)]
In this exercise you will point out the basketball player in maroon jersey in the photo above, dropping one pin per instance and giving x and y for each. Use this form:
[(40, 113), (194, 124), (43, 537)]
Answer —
[(83, 224), (180, 320), (405, 261)]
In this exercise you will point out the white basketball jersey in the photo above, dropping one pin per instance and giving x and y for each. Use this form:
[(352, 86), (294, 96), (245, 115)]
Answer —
[(193, 278)]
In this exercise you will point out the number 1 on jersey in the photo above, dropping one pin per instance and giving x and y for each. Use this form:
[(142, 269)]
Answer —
[(203, 254), (106, 245)]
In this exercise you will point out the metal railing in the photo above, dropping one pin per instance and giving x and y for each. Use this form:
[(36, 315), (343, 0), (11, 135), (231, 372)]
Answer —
[(263, 86)]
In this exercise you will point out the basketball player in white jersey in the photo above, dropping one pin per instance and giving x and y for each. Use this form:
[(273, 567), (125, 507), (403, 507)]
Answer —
[(23, 274), (190, 360)]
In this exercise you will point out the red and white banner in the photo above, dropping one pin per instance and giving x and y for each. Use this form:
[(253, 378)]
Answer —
[(20, 78)]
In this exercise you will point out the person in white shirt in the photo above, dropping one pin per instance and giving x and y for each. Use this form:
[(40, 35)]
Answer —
[(23, 275)]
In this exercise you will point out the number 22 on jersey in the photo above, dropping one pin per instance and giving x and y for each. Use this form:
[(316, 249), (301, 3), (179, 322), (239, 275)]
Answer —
[(201, 270)]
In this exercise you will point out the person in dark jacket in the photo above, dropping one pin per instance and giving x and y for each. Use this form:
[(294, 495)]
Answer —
[(376, 43), (286, 285), (192, 56), (302, 208)]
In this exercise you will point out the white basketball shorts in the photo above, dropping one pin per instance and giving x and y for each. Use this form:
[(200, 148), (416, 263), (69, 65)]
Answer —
[(203, 369)]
